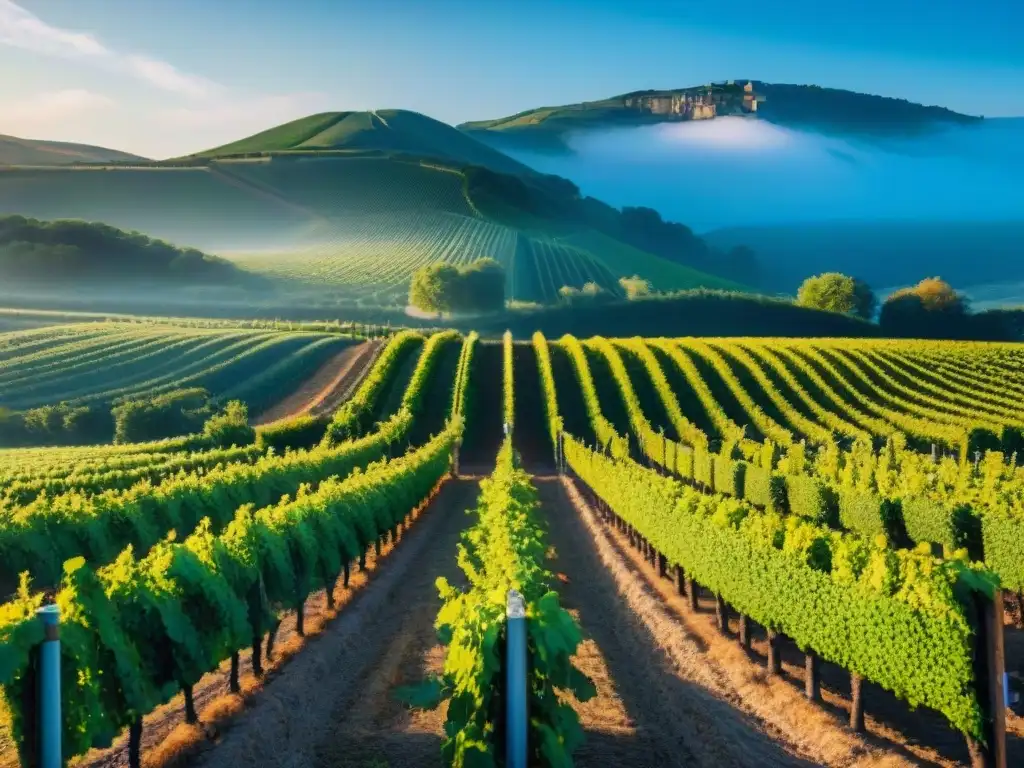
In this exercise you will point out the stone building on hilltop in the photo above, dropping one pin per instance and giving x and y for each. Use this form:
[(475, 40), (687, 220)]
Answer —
[(702, 103)]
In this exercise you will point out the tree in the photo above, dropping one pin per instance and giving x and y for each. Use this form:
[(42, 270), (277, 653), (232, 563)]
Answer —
[(836, 292), (433, 287), (477, 287), (590, 293), (930, 309), (635, 287)]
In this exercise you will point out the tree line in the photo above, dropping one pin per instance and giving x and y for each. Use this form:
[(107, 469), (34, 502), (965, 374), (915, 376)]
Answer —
[(70, 250), (137, 420), (930, 309)]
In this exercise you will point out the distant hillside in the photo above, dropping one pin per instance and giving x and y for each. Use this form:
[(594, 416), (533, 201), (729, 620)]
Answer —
[(350, 204), (73, 253), (834, 110), (884, 253), (387, 131), (15, 151)]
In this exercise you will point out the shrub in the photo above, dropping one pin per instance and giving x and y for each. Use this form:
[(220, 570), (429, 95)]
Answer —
[(230, 427)]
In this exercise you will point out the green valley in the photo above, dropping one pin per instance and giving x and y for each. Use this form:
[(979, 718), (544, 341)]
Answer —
[(352, 203)]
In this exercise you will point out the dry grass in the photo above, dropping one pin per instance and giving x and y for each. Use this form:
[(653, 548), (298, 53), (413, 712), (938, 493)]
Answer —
[(721, 666)]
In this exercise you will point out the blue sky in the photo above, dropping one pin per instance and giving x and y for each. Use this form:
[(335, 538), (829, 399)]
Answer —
[(167, 77)]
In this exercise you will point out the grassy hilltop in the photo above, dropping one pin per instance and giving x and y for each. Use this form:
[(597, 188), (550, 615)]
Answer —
[(15, 151)]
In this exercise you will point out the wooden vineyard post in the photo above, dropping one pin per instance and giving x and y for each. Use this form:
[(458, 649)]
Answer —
[(680, 580), (990, 672), (856, 703), (691, 594), (812, 688), (744, 632), (721, 615), (774, 659)]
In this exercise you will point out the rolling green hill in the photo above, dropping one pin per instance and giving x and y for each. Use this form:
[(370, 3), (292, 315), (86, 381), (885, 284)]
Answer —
[(388, 131), (15, 151), (831, 110), (349, 204)]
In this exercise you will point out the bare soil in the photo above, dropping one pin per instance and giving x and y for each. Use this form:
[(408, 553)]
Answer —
[(324, 390), (348, 660)]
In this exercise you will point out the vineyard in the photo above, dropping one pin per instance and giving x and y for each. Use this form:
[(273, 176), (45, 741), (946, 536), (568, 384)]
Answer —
[(105, 362), (355, 226), (850, 513)]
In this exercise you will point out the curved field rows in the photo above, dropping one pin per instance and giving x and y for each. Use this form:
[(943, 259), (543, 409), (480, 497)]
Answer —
[(324, 390), (380, 251), (117, 361)]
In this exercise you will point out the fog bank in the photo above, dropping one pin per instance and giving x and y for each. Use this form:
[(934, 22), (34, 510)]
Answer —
[(737, 171)]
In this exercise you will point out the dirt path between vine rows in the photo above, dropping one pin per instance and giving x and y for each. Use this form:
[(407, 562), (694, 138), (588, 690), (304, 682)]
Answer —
[(330, 683), (327, 387), (648, 711), (335, 705)]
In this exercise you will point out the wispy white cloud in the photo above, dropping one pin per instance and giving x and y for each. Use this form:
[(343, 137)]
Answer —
[(168, 78), (46, 109), (20, 28)]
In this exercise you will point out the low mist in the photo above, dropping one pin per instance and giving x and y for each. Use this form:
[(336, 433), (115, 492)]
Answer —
[(737, 171)]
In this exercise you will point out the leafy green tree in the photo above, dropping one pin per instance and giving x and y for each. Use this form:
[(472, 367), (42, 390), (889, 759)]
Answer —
[(478, 287), (432, 287), (836, 292), (930, 309)]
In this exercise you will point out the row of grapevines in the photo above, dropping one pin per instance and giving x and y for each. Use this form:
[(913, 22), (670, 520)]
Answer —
[(22, 492), (547, 386), (768, 426), (918, 389), (462, 374), (761, 360), (894, 617), (689, 432), (509, 404), (505, 550), (20, 465), (864, 374), (913, 426), (607, 437), (348, 420), (727, 428), (135, 632), (961, 374)]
